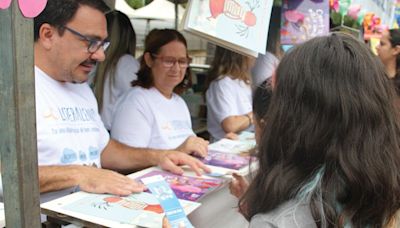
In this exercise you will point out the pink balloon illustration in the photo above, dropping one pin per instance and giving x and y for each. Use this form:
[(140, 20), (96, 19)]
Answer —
[(4, 4), (29, 8)]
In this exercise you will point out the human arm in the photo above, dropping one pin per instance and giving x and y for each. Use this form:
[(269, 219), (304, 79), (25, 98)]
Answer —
[(237, 123), (87, 178), (120, 157)]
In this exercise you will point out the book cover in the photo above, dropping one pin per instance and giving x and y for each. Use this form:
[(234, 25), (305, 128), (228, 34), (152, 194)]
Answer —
[(239, 25), (187, 187), (235, 162), (140, 209), (303, 20)]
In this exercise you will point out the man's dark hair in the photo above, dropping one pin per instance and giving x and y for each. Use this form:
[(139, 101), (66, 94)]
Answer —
[(59, 12)]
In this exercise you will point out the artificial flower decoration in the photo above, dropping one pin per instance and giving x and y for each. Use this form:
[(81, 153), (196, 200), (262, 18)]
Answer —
[(29, 8), (334, 4), (353, 11)]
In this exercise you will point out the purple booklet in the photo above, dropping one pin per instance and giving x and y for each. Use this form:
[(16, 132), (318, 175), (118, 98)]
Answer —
[(226, 160), (185, 187)]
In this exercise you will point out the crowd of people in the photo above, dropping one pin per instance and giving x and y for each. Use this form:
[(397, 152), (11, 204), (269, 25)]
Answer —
[(326, 121)]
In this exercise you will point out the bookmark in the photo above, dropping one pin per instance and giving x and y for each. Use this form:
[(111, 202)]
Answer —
[(168, 201)]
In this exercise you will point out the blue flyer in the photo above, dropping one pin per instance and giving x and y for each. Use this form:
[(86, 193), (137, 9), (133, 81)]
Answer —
[(168, 200)]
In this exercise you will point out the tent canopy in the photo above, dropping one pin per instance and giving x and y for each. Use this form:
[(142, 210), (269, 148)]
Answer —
[(122, 6), (158, 10)]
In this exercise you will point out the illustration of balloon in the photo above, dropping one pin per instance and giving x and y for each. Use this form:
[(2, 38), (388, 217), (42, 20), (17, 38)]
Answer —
[(29, 8), (4, 4)]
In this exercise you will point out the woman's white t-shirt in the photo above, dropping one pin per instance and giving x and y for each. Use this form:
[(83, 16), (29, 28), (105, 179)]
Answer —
[(226, 97), (125, 73), (145, 118)]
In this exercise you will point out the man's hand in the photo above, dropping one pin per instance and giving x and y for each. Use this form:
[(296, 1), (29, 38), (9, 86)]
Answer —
[(97, 180), (171, 160), (238, 186), (194, 145)]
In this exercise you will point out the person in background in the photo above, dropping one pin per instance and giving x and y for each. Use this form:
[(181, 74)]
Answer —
[(389, 53), (329, 151), (69, 39), (152, 114), (266, 64), (228, 94), (114, 74)]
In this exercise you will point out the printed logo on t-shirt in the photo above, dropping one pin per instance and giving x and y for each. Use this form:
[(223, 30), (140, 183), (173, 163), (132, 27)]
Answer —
[(71, 114), (69, 156), (175, 125), (75, 114), (93, 153)]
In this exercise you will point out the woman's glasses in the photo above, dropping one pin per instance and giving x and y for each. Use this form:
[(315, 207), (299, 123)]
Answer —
[(94, 44), (169, 61)]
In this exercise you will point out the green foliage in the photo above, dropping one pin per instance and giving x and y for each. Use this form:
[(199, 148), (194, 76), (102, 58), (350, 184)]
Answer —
[(136, 4), (336, 19)]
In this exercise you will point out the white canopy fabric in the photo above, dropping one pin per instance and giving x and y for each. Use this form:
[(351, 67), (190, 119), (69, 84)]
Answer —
[(158, 10), (122, 6)]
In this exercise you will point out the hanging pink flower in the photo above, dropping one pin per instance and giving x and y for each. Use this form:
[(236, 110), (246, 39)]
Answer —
[(29, 8)]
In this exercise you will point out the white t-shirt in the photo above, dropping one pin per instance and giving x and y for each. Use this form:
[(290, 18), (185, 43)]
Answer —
[(226, 97), (145, 118), (263, 68), (69, 128), (125, 73)]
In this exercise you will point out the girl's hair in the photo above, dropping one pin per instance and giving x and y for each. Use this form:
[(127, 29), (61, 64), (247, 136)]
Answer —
[(154, 41), (261, 100), (394, 38), (230, 63), (332, 137), (122, 41)]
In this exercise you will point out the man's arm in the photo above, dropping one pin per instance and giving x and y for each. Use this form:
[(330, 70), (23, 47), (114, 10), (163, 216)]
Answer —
[(89, 179), (122, 158)]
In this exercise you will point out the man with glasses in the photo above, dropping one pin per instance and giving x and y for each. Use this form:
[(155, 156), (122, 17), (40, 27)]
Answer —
[(70, 38)]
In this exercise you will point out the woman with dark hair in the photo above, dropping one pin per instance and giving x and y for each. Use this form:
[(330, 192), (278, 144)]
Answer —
[(228, 94), (389, 53), (152, 114), (330, 151), (114, 74)]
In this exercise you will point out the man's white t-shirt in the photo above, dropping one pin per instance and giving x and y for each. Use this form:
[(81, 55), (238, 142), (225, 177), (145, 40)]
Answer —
[(145, 118), (69, 128), (125, 73), (226, 97)]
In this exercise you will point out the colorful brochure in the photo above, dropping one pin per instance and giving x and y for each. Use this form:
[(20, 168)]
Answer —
[(172, 208), (141, 209), (187, 187)]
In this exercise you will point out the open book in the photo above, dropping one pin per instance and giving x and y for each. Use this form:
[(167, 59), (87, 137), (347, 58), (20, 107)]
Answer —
[(185, 187), (141, 209), (238, 25)]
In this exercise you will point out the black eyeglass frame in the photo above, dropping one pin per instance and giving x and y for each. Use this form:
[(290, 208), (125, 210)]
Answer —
[(94, 44)]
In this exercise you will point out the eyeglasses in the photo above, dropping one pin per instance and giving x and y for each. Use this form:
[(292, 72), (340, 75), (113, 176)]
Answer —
[(169, 61), (94, 44)]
